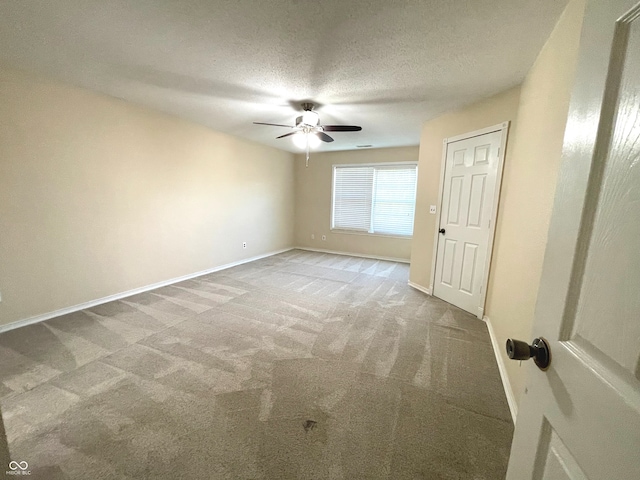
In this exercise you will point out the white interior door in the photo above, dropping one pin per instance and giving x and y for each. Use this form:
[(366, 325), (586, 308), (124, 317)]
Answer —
[(581, 418), (468, 194)]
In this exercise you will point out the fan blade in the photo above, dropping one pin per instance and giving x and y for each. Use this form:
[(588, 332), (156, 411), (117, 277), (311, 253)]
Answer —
[(286, 135), (341, 128), (272, 124), (324, 137)]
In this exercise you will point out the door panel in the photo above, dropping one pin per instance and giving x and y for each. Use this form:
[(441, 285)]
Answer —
[(476, 200), (481, 155), (588, 402), (555, 459), (449, 254), (456, 186), (469, 258), (470, 179), (616, 220)]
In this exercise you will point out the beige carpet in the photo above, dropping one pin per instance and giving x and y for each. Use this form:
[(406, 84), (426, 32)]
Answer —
[(301, 365)]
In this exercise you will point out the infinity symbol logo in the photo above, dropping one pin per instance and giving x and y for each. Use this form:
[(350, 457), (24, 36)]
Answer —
[(13, 465)]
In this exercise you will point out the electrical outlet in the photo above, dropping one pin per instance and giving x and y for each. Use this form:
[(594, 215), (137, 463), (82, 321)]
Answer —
[(432, 209), (244, 244), (324, 238), (313, 236)]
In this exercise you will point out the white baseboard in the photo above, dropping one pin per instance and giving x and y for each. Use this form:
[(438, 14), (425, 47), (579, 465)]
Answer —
[(351, 254), (128, 293), (419, 287), (508, 390)]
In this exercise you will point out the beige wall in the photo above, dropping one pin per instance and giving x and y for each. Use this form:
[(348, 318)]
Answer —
[(529, 185), (98, 197), (313, 203), (497, 109), (538, 110)]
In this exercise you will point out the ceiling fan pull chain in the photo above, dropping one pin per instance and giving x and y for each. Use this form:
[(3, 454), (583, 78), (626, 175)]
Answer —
[(307, 163)]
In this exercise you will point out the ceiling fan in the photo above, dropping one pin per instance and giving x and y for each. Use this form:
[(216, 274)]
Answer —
[(307, 132)]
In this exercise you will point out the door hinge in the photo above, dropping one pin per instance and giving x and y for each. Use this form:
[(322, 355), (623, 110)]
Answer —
[(498, 152)]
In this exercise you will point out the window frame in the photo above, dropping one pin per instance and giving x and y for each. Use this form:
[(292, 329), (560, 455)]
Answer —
[(373, 165)]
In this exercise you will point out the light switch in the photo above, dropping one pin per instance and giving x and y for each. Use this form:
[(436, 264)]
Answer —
[(432, 209)]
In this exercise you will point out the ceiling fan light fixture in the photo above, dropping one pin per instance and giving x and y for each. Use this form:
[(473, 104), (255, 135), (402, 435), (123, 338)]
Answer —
[(310, 118), (314, 141), (307, 133), (300, 140)]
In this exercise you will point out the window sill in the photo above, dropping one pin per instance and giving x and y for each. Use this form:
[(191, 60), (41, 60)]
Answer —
[(367, 234)]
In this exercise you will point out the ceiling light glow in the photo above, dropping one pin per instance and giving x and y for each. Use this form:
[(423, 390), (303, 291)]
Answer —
[(314, 141), (300, 140), (310, 118)]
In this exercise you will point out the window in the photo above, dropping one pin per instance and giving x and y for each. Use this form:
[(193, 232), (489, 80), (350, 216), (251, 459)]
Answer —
[(374, 198)]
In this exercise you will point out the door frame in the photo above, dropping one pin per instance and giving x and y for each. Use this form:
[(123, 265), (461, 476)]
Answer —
[(500, 127)]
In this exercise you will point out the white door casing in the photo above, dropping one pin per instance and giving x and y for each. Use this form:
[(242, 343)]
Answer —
[(581, 418), (469, 192)]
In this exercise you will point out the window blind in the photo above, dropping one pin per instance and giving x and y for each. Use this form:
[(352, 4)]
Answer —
[(352, 198), (394, 200), (374, 199)]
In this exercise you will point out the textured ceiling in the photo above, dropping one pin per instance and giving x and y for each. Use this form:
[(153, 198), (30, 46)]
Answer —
[(387, 65)]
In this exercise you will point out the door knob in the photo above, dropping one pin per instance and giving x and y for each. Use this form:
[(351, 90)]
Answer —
[(539, 350), (442, 230)]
